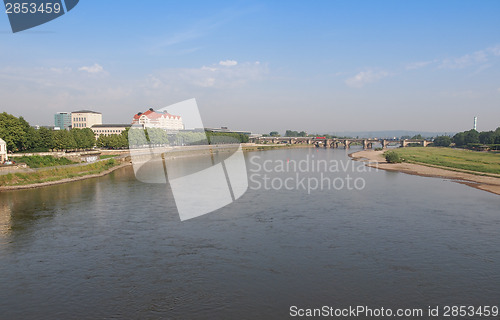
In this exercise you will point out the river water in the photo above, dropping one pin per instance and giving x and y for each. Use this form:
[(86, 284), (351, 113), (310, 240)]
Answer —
[(114, 247)]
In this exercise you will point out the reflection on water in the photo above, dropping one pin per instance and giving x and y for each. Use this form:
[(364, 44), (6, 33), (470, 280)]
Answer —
[(113, 247)]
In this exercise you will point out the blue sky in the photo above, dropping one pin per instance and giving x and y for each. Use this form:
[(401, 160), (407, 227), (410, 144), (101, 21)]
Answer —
[(319, 66)]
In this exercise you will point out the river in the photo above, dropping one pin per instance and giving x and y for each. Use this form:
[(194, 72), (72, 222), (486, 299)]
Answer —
[(114, 247)]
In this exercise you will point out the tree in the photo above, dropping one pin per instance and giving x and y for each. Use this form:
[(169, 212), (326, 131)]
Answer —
[(87, 138), (12, 131), (487, 137), (442, 141), (417, 137), (63, 140), (137, 137), (290, 133), (29, 135), (113, 141), (77, 135), (186, 138), (101, 142), (471, 136), (392, 157), (226, 137), (45, 138), (274, 134), (459, 139), (158, 136)]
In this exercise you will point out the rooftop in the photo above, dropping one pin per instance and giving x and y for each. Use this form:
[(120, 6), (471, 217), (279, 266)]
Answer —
[(152, 114), (86, 111), (113, 125)]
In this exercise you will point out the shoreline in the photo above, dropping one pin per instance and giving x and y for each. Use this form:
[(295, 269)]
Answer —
[(67, 180), (126, 155), (376, 159)]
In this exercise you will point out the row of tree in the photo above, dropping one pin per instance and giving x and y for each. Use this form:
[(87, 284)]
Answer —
[(114, 141), (473, 137), (469, 138), (20, 136), (16, 132), (288, 133), (154, 136)]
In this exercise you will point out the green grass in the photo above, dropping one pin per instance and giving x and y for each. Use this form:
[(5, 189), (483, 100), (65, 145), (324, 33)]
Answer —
[(43, 161), (107, 156), (483, 162), (17, 179)]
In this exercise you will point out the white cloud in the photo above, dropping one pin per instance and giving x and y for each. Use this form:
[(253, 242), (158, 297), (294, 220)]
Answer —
[(466, 60), (54, 89), (494, 50), (96, 68), (365, 77), (64, 70), (229, 63), (210, 76), (418, 65), (208, 68)]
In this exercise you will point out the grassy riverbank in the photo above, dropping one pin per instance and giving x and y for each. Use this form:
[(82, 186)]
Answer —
[(481, 162), (62, 174), (485, 181), (43, 161), (56, 174)]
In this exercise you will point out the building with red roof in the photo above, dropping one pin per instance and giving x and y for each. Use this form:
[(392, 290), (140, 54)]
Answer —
[(162, 119)]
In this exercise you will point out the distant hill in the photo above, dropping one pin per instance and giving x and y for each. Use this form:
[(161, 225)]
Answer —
[(389, 134)]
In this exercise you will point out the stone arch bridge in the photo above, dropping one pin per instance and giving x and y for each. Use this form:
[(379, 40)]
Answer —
[(337, 142)]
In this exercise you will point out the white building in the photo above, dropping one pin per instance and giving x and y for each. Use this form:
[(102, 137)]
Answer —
[(3, 151), (108, 129), (85, 119), (162, 120)]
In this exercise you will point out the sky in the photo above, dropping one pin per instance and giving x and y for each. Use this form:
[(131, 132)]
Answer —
[(318, 66)]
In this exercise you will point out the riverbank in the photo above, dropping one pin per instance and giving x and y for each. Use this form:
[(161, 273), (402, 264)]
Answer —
[(477, 180), (17, 181), (124, 158)]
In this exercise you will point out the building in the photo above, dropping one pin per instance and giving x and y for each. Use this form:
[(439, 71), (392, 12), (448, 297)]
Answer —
[(37, 127), (3, 151), (163, 120), (85, 119), (109, 129), (226, 130), (62, 120)]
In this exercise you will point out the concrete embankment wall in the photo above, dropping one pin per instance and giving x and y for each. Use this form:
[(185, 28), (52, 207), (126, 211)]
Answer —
[(87, 156)]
